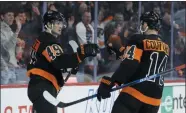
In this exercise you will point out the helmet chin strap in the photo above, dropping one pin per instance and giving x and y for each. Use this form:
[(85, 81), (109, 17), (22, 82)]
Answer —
[(49, 30), (142, 31)]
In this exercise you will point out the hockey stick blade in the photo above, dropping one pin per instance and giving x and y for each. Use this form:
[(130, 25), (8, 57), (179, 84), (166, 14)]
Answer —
[(60, 104), (67, 77), (74, 45), (53, 100)]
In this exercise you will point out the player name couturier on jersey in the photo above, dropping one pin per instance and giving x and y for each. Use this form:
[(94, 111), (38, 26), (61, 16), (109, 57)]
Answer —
[(155, 45)]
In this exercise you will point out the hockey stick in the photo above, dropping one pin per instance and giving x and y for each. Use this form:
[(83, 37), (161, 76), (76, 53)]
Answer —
[(60, 104), (74, 46)]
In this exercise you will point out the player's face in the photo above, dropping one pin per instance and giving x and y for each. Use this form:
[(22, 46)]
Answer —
[(8, 18), (57, 28)]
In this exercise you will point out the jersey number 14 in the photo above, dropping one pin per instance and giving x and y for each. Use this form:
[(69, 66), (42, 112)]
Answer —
[(153, 68)]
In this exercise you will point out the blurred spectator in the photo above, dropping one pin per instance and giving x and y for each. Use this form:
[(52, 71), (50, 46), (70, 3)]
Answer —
[(100, 29), (60, 6), (157, 9), (71, 29), (69, 34), (112, 29), (19, 51), (108, 14), (8, 44), (84, 29), (52, 7), (33, 24), (31, 27), (100, 36), (180, 17), (130, 28), (166, 29), (82, 7), (21, 43), (70, 11), (79, 28), (85, 34), (118, 17), (128, 11), (178, 55), (22, 16)]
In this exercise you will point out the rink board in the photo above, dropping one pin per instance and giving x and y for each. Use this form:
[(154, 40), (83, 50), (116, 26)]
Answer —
[(15, 100)]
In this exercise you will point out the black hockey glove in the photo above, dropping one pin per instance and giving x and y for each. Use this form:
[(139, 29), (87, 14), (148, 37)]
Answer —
[(74, 70), (87, 50), (114, 46), (105, 88), (118, 51)]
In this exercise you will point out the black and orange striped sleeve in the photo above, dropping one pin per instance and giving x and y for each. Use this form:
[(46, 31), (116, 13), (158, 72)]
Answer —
[(131, 60), (55, 55)]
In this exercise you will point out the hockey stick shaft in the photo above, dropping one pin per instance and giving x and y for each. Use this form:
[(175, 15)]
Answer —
[(62, 105), (129, 84), (67, 77), (74, 46), (150, 77)]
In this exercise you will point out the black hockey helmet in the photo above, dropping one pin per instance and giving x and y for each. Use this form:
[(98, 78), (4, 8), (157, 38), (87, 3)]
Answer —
[(152, 19), (51, 16)]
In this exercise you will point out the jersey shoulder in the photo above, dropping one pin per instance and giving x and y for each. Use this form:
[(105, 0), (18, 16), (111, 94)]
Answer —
[(137, 40)]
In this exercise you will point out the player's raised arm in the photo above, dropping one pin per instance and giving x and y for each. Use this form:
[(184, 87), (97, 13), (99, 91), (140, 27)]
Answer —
[(54, 54), (131, 60)]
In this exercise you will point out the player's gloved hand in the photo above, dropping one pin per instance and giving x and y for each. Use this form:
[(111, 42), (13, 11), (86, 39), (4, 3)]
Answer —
[(114, 45), (105, 88), (87, 50), (74, 70)]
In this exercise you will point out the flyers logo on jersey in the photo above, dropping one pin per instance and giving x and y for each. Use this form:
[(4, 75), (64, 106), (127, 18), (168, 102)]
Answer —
[(51, 52), (156, 45)]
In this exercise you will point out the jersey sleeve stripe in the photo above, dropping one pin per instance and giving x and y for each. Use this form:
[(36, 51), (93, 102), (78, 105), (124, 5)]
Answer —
[(36, 45), (79, 60), (121, 49), (45, 53), (137, 54)]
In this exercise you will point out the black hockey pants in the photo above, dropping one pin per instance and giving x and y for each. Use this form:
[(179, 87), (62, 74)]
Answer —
[(36, 87), (125, 103)]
